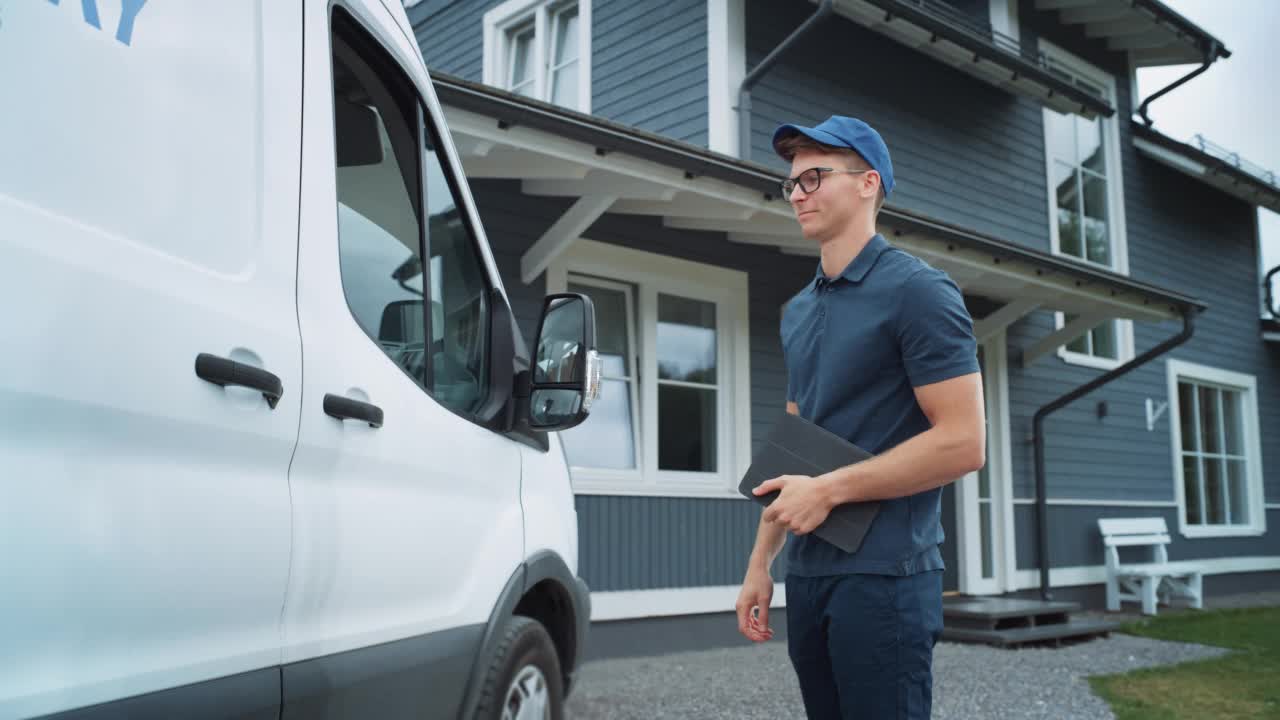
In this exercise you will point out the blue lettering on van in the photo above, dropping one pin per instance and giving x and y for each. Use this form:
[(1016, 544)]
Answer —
[(128, 14)]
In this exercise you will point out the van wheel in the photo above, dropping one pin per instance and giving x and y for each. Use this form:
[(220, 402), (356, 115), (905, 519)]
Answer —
[(523, 682)]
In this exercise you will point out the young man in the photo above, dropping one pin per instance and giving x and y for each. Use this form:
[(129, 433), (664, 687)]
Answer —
[(879, 350)]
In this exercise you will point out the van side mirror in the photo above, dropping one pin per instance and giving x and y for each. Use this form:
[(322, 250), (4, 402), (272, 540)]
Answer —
[(565, 377)]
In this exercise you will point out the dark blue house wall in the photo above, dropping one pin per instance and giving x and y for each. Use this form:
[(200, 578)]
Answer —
[(650, 68), (648, 65), (451, 35), (1182, 235), (963, 151)]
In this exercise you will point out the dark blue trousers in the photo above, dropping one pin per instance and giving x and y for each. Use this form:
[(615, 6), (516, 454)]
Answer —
[(862, 645)]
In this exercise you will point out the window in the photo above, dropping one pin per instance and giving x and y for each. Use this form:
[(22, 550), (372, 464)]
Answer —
[(1086, 204), (1217, 458), (673, 413), (611, 437), (541, 50), (384, 152)]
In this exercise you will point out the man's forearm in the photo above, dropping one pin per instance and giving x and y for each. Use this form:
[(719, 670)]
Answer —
[(769, 539), (929, 460)]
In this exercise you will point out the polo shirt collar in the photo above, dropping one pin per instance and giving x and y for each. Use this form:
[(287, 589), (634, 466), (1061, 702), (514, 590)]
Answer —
[(860, 266)]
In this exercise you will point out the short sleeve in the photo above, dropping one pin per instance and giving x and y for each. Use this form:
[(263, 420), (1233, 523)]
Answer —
[(935, 331), (786, 366)]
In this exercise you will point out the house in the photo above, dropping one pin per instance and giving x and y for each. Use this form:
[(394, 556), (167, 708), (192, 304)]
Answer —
[(608, 156)]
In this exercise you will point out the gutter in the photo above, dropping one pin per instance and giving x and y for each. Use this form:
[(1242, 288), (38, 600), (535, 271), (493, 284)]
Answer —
[(753, 77), (1037, 430)]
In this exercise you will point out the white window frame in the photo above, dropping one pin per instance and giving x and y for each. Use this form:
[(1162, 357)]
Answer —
[(1246, 385), (500, 20), (1115, 205), (653, 274), (612, 476)]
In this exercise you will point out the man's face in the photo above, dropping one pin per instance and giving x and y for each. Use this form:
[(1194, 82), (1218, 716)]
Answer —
[(825, 212)]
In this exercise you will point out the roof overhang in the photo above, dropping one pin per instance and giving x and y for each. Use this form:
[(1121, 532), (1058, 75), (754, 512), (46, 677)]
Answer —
[(1149, 31), (949, 36), (1209, 164), (604, 167)]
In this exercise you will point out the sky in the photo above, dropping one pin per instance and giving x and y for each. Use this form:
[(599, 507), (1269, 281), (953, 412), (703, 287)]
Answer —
[(1234, 103)]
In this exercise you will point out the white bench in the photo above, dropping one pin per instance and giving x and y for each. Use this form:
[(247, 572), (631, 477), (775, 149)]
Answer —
[(1146, 582)]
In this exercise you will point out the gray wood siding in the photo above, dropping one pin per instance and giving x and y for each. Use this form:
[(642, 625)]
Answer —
[(451, 35), (963, 152), (648, 65), (629, 543), (650, 68), (1074, 540)]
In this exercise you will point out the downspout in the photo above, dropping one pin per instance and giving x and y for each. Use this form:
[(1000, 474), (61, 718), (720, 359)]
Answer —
[(1272, 306), (1037, 430), (1209, 56), (753, 77)]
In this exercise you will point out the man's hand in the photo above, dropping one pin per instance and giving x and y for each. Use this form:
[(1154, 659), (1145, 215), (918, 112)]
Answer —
[(802, 504), (753, 606)]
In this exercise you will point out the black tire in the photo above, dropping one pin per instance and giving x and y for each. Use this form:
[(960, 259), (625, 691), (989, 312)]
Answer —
[(525, 643)]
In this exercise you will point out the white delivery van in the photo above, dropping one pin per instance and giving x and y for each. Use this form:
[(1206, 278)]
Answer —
[(269, 442)]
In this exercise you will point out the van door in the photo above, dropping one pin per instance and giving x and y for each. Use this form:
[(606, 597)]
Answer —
[(149, 159), (407, 518)]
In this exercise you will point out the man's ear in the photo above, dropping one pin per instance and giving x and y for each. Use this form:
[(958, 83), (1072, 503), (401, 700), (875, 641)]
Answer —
[(870, 187)]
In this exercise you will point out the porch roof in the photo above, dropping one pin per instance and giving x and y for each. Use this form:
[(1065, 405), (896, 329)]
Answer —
[(1147, 31), (611, 168), (1212, 164), (1150, 32), (973, 46)]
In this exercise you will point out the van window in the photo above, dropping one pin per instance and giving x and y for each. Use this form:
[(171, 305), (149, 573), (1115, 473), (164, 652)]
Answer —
[(390, 177), (459, 298)]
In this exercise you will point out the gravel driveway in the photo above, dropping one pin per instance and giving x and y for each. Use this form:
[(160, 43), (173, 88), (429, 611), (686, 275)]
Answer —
[(971, 682)]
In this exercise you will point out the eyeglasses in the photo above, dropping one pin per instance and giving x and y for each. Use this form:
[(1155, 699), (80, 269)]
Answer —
[(810, 180)]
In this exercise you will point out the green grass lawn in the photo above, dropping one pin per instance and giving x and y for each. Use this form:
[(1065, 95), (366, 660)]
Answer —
[(1244, 684)]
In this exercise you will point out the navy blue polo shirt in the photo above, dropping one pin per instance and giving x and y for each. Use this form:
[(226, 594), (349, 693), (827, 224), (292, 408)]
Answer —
[(856, 345)]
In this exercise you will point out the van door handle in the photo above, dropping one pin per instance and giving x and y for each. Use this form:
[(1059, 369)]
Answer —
[(225, 371), (344, 408)]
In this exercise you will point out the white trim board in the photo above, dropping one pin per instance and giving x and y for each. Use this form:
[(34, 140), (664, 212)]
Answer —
[(585, 484), (633, 604), (1085, 502), (726, 68), (1028, 579)]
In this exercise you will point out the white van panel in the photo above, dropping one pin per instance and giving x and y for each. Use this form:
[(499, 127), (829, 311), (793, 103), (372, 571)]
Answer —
[(144, 512), (551, 522), (402, 530)]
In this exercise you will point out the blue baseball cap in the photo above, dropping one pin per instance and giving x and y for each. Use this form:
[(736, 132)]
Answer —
[(846, 132)]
